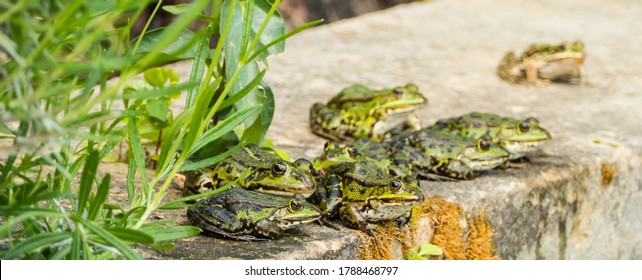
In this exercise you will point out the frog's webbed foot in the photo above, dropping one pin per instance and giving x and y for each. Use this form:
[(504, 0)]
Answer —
[(371, 231), (401, 221), (506, 68), (352, 215)]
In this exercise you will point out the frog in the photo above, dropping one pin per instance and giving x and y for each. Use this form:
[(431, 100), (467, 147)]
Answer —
[(360, 193), (518, 137), (360, 112), (439, 155), (543, 62), (246, 215), (359, 150), (254, 169)]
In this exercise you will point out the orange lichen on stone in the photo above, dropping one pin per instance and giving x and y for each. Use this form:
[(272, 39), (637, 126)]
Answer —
[(447, 223), (445, 219), (480, 238), (608, 171), (378, 247)]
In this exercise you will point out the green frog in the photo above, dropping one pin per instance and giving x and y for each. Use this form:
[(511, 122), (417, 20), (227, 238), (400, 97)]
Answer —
[(361, 192), (359, 150), (439, 155), (255, 169), (360, 112), (544, 63), (518, 137), (242, 214)]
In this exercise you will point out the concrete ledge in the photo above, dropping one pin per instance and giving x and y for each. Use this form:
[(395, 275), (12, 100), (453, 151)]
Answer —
[(581, 198)]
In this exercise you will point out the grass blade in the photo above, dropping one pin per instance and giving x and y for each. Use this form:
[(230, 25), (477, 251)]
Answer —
[(209, 161), (86, 181), (198, 69), (136, 152), (224, 127), (109, 238), (132, 235), (36, 242), (99, 199), (242, 93)]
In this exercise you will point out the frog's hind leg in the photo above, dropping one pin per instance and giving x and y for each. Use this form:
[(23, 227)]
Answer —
[(215, 220), (326, 122), (506, 67)]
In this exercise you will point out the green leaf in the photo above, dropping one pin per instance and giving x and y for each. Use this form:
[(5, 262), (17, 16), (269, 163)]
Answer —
[(209, 160), (235, 42), (170, 38), (182, 46), (136, 152), (101, 194), (430, 249), (160, 233), (156, 92), (198, 68), (177, 9), (132, 235), (231, 100), (197, 196), (256, 132), (223, 127), (109, 238), (158, 76), (35, 243), (86, 180), (158, 108)]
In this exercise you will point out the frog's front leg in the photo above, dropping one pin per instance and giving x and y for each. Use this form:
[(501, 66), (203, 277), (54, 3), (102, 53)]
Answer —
[(267, 228), (412, 123), (332, 196), (353, 215), (326, 122)]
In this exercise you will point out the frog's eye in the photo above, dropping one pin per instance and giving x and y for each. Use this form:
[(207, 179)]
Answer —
[(524, 127), (483, 144), (531, 120), (279, 168), (295, 205), (397, 93), (395, 186), (351, 152)]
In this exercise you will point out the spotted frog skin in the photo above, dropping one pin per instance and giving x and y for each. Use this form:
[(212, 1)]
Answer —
[(254, 169), (241, 214), (518, 137), (359, 150), (438, 155), (360, 112), (542, 63), (361, 192)]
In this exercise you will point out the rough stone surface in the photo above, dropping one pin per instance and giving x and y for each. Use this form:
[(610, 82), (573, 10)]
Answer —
[(580, 198)]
